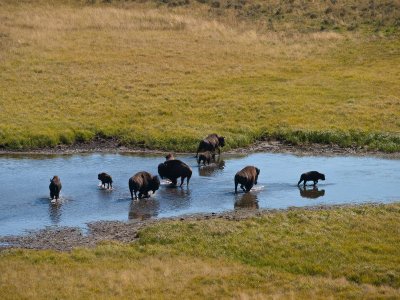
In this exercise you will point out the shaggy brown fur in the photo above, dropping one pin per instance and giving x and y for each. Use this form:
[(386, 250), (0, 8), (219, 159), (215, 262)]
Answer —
[(105, 178), (311, 176), (205, 157), (143, 182), (247, 177), (173, 169), (211, 143), (55, 187)]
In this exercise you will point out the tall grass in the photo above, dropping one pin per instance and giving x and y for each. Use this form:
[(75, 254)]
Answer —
[(164, 77), (333, 253)]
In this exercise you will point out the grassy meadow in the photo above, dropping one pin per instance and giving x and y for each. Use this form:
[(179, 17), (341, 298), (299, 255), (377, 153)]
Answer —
[(347, 252), (163, 74)]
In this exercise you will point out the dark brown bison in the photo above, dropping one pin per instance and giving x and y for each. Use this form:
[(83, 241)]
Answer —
[(247, 177), (311, 193), (211, 143), (105, 178), (173, 169), (169, 156), (55, 187), (143, 182), (311, 176), (205, 157)]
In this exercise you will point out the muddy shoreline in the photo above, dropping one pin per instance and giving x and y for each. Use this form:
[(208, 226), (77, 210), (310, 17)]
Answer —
[(99, 145), (68, 238)]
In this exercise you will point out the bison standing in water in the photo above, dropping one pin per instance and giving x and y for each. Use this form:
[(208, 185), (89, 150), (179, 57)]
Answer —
[(169, 156), (105, 178), (143, 182), (173, 169), (211, 143), (247, 177), (55, 187), (311, 176), (205, 157)]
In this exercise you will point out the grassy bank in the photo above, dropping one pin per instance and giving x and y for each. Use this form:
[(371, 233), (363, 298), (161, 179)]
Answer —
[(165, 75), (348, 252)]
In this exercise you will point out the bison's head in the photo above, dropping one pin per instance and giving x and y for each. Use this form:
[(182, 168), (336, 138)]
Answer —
[(170, 156), (257, 173), (161, 170), (221, 141), (155, 184), (100, 176), (321, 176)]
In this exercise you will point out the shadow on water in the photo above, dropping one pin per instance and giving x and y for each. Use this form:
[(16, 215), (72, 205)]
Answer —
[(311, 192), (55, 211), (247, 200), (144, 209)]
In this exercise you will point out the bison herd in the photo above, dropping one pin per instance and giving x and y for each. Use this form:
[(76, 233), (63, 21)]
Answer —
[(143, 182)]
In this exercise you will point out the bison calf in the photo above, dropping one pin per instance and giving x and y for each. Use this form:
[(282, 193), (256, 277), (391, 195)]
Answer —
[(143, 182), (311, 176), (173, 169), (55, 187), (105, 178), (247, 177), (169, 156), (205, 157)]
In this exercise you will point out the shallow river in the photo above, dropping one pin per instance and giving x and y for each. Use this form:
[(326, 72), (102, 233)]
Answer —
[(25, 204)]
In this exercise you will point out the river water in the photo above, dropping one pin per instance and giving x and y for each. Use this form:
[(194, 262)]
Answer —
[(25, 204)]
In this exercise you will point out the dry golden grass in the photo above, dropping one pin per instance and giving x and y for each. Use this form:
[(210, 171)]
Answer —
[(164, 78), (335, 253)]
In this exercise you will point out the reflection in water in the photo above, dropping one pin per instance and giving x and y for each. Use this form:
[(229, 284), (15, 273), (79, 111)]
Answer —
[(144, 209), (175, 197), (55, 212), (210, 169), (246, 200), (312, 193)]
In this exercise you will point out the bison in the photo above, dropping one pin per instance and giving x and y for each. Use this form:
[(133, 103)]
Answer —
[(211, 143), (173, 169), (143, 182), (247, 177), (169, 156), (105, 178), (311, 176), (205, 157), (55, 187)]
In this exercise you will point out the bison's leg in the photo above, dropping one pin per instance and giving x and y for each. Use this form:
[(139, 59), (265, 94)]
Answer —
[(304, 182), (236, 184), (248, 187), (132, 194), (140, 195), (315, 182), (182, 179), (174, 181), (242, 187)]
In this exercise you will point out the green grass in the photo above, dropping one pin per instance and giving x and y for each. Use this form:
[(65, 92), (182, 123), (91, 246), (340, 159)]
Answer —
[(164, 77), (347, 252)]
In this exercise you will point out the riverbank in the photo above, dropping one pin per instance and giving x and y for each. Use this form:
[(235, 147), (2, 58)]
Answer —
[(68, 238), (100, 145), (346, 252)]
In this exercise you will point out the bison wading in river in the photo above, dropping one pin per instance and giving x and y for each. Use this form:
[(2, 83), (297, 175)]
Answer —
[(247, 177), (205, 157), (311, 176), (55, 187), (211, 143), (105, 178), (143, 182), (173, 169)]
